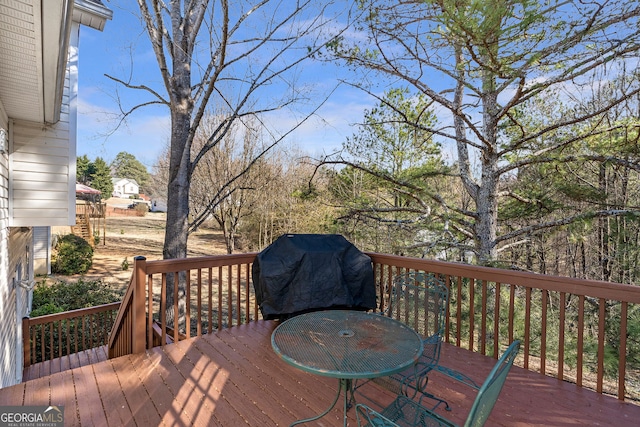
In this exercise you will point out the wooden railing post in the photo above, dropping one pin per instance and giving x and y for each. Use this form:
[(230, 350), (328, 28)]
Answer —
[(138, 336), (26, 342)]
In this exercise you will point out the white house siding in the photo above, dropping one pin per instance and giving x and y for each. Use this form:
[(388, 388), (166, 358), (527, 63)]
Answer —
[(15, 303), (41, 250), (37, 188), (39, 175), (42, 167), (15, 266), (124, 187), (7, 295), (37, 178)]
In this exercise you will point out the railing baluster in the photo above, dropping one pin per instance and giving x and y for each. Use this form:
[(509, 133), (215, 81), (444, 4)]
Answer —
[(255, 302), (496, 322), (59, 340), (210, 302), (220, 293), (459, 312), (563, 302), (238, 296), (247, 292), (229, 297), (543, 333), (447, 320), (149, 313), (187, 296), (512, 307), (163, 309), (176, 310), (527, 326), (622, 357), (472, 313), (580, 340), (34, 356), (601, 321), (51, 348), (483, 319), (199, 304)]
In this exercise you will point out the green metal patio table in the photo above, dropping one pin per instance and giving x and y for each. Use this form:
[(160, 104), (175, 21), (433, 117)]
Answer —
[(347, 345)]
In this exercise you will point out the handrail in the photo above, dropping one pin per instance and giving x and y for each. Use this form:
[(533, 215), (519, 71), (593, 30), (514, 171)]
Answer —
[(596, 288), (119, 340), (558, 319), (144, 307), (55, 335)]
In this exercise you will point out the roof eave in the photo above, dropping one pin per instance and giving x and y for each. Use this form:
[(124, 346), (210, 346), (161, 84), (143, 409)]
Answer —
[(56, 29), (91, 13)]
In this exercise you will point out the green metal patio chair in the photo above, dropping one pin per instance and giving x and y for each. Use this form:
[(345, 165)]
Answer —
[(405, 412), (420, 301)]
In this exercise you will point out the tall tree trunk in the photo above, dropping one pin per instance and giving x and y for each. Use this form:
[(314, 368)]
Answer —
[(486, 226), (177, 223)]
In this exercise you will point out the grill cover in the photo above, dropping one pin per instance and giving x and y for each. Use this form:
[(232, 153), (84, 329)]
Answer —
[(305, 272)]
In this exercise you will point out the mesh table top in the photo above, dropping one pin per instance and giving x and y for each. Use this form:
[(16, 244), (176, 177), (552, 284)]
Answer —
[(346, 344)]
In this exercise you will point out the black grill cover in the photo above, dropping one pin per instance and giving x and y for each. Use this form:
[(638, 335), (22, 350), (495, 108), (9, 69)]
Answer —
[(304, 272)]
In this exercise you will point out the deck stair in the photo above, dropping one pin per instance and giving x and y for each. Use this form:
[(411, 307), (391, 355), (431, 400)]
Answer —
[(83, 228), (63, 363)]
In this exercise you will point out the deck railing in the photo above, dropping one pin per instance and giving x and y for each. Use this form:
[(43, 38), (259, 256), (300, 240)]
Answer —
[(91, 210), (575, 330), (56, 335), (569, 328), (216, 292)]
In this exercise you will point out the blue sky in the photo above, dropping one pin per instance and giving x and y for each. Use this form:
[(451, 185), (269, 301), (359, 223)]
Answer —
[(147, 131)]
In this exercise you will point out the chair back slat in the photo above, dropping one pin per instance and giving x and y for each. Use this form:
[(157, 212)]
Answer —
[(491, 388)]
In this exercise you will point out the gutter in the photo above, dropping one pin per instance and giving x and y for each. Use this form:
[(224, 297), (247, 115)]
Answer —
[(61, 67)]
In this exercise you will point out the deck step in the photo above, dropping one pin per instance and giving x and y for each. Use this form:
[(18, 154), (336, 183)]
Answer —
[(71, 361)]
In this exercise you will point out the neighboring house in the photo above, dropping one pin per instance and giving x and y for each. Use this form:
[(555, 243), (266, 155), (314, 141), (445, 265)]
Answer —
[(125, 188), (38, 113)]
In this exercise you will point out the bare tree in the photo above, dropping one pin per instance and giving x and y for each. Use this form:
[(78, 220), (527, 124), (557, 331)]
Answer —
[(228, 179), (482, 63), (243, 55)]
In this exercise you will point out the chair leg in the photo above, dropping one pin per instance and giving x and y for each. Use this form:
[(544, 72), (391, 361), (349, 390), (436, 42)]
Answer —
[(420, 387), (437, 399)]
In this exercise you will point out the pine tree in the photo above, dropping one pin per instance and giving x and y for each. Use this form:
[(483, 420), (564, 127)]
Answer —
[(101, 178)]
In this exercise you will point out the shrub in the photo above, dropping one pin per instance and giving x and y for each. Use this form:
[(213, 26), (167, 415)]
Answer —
[(141, 209), (72, 255), (62, 296)]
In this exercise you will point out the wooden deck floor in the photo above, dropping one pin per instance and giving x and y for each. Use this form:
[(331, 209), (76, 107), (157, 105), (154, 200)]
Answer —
[(234, 378)]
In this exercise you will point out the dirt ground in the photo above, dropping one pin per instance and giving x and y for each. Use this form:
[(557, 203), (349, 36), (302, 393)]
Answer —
[(128, 237)]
